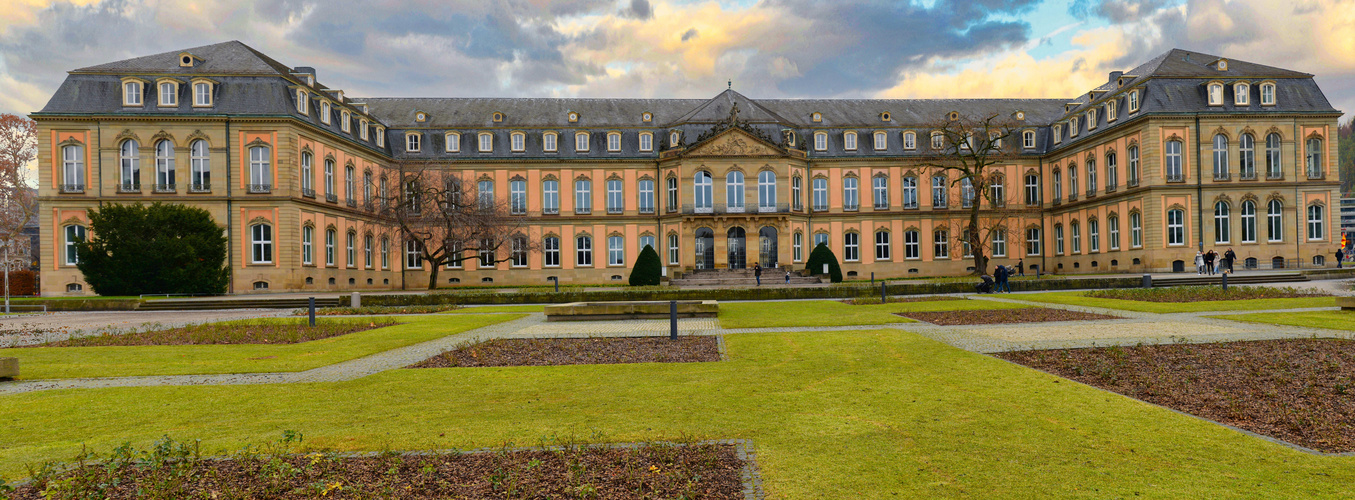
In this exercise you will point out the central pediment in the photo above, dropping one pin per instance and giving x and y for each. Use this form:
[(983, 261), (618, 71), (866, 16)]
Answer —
[(734, 142)]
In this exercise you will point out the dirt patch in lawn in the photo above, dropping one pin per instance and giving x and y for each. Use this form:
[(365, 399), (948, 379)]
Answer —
[(585, 351), (1299, 390), (232, 332), (1179, 294), (710, 471), (1000, 316), (872, 301)]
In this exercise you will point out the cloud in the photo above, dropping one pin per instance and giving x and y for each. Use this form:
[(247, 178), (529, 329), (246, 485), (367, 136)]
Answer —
[(690, 34), (639, 9)]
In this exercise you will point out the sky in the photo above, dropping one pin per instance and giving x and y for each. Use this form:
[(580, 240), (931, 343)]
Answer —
[(685, 48)]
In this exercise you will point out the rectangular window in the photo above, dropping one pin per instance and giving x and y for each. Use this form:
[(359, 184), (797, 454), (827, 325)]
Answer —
[(519, 255), (941, 245), (74, 235), (169, 94), (518, 141), (820, 195), (616, 253), (413, 257), (999, 238), (584, 251), (1316, 228), (881, 141), (581, 142), (1058, 240), (548, 142), (910, 192), (850, 194), (583, 196), (351, 257), (1093, 236), (550, 197), (615, 202), (1173, 161), (647, 241), (1176, 227), (880, 192), (646, 141), (820, 141), (798, 247), (517, 196), (646, 199), (882, 245), (1135, 230), (307, 245), (552, 252), (487, 258), (851, 247), (672, 194), (1033, 241), (261, 242), (367, 251), (454, 258), (1114, 223), (1076, 233), (329, 247), (673, 251), (939, 193), (486, 143), (614, 142), (486, 193), (412, 143), (453, 143), (909, 141), (131, 93), (911, 246)]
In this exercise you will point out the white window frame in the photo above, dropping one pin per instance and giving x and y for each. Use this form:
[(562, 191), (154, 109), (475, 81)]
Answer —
[(616, 196), (613, 142), (550, 142), (938, 141), (1247, 216), (909, 193), (168, 93), (261, 244), (616, 251), (583, 251), (73, 165), (1113, 227), (881, 141), (1241, 94), (912, 246), (851, 247), (260, 166), (1093, 236), (330, 236), (367, 251), (302, 101), (346, 121), (1274, 221), (581, 141), (324, 112), (413, 142), (703, 191), (452, 142), (1176, 227), (350, 255), (1075, 232), (1058, 239), (734, 191), (940, 244), (550, 196), (1268, 96), (132, 93), (820, 141), (1215, 94), (164, 164), (550, 252), (1135, 230), (486, 142), (1316, 222), (998, 241), (517, 196), (674, 250), (646, 141), (72, 233), (307, 245), (1133, 98), (910, 140), (645, 196), (1222, 223), (1028, 139), (1112, 110), (363, 132), (1033, 242), (517, 142), (583, 196), (882, 250), (879, 192), (851, 194), (798, 246)]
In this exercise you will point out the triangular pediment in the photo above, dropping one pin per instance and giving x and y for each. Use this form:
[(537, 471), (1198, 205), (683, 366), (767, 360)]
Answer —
[(734, 142)]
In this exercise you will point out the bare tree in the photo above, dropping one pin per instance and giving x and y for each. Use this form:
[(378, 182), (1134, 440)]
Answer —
[(18, 198), (450, 222), (970, 147)]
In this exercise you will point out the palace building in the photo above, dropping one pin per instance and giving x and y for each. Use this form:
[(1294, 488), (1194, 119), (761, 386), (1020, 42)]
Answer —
[(1187, 151)]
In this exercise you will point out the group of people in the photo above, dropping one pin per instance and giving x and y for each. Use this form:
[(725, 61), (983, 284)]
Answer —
[(1211, 262), (757, 273), (1000, 280)]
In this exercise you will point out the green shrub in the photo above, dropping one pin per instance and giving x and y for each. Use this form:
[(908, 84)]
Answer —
[(820, 256), (163, 248), (648, 269)]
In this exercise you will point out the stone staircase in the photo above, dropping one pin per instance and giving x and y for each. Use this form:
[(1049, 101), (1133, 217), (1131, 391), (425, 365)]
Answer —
[(741, 278), (225, 303), (1233, 279)]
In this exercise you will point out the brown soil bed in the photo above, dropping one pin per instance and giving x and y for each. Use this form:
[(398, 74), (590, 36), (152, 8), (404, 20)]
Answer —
[(1299, 391), (999, 316), (270, 332), (709, 471), (585, 351), (1181, 294), (899, 300)]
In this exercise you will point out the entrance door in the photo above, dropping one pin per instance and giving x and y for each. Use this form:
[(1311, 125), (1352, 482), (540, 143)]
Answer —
[(767, 246), (736, 248), (705, 248)]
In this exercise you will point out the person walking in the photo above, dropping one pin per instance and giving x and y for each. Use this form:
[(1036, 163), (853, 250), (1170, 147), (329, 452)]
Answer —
[(1230, 258), (1020, 267), (787, 276), (1209, 262), (757, 273), (1000, 274), (1339, 255), (1199, 262)]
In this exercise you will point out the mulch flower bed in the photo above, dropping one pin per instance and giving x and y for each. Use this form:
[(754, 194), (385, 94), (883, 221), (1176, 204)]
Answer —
[(247, 332), (870, 301), (708, 471), (999, 316), (1301, 391), (585, 351), (375, 310), (1205, 293)]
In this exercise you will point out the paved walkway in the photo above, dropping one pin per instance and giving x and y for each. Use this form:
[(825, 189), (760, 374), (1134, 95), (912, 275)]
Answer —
[(1134, 328), (37, 328)]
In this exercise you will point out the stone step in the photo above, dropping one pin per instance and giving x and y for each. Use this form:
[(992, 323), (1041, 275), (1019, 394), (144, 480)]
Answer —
[(1233, 279)]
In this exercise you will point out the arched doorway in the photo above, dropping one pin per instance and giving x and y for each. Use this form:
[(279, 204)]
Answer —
[(736, 249), (767, 247), (705, 248)]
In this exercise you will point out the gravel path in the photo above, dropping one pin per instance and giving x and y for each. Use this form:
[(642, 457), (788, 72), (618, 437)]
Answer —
[(37, 328)]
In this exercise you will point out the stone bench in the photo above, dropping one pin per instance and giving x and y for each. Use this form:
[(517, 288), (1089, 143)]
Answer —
[(1346, 303), (603, 311), (9, 367)]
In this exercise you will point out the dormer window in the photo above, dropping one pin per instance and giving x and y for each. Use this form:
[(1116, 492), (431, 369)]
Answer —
[(1020, 115), (849, 141), (646, 141), (1268, 94), (910, 140), (345, 121), (820, 141), (486, 142), (646, 117), (614, 141), (381, 137), (884, 117), (131, 93), (324, 112), (1112, 108), (498, 117), (413, 142), (573, 117), (1222, 64), (517, 142), (1072, 127), (1091, 119), (202, 94), (1241, 94), (453, 142), (169, 93), (1058, 133), (938, 141), (549, 142), (1215, 94), (581, 141), (816, 117), (302, 100), (1028, 139), (1133, 101), (421, 117), (186, 60), (881, 141), (362, 129), (674, 139)]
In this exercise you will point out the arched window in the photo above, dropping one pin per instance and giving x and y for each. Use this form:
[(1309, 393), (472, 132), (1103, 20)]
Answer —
[(851, 197), (486, 142), (1028, 139), (1248, 221), (452, 142), (200, 167), (849, 141), (72, 168), (909, 192), (75, 234), (882, 245), (164, 166), (1273, 163), (1215, 94), (1241, 94), (1246, 153), (879, 191), (1176, 227), (1274, 221), (1316, 228), (940, 191), (1112, 171), (307, 245), (734, 191), (517, 142), (646, 141), (1267, 94), (820, 141), (583, 251), (851, 247), (261, 243), (1091, 177), (940, 244), (260, 171), (766, 191), (909, 140), (614, 141), (1172, 167), (549, 142), (130, 159), (1133, 152), (413, 142), (581, 141), (1314, 158), (1221, 223), (329, 247), (820, 194), (702, 192), (1220, 157), (881, 141)]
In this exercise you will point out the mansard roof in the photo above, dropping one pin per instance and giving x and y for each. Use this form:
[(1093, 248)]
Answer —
[(231, 57)]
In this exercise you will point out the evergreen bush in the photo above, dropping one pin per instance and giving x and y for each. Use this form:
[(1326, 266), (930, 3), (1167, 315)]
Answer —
[(820, 256), (648, 269), (161, 248)]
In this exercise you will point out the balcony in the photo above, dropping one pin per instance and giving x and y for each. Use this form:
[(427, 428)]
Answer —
[(615, 210), (164, 187), (1274, 175), (331, 197), (779, 208), (1247, 175), (647, 209), (1314, 175), (880, 207), (820, 208), (71, 188), (129, 187), (1111, 188), (1133, 182), (308, 192), (721, 209), (200, 187), (260, 188), (583, 210), (799, 207)]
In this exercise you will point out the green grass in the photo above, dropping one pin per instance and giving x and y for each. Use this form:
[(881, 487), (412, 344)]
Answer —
[(124, 361), (498, 309), (834, 313), (861, 414), (1333, 320), (1078, 299)]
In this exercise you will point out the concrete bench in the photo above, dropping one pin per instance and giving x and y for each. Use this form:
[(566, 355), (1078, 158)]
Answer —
[(9, 367), (1346, 303)]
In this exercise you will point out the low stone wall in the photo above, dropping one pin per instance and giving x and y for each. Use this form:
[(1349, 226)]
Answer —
[(1346, 303), (601, 311), (9, 367)]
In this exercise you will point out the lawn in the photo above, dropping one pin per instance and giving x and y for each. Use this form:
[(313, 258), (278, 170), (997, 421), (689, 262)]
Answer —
[(1078, 299), (77, 362), (835, 313), (861, 414), (1333, 320)]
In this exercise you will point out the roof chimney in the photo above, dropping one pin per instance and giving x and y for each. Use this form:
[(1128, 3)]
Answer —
[(1115, 76)]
